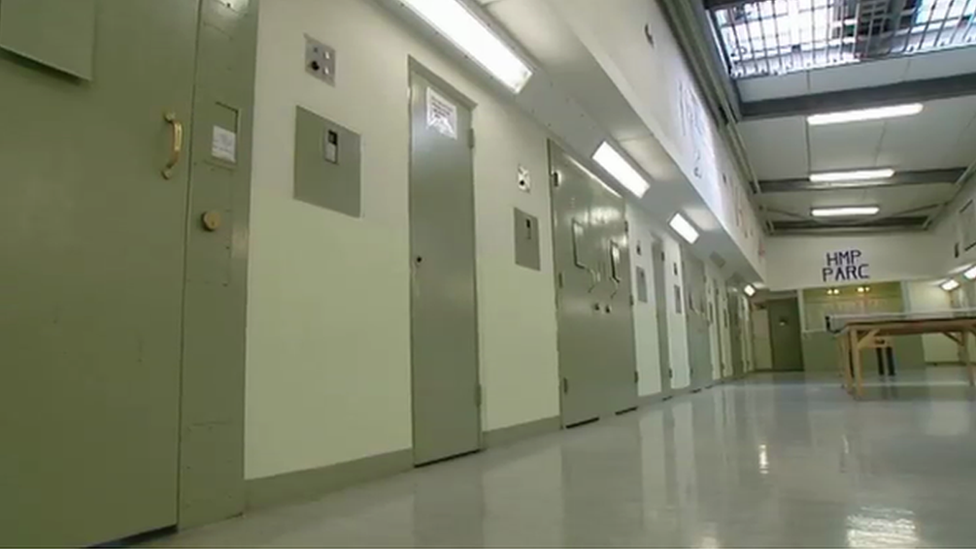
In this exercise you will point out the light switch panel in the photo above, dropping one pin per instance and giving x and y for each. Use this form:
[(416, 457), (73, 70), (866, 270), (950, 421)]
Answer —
[(320, 60)]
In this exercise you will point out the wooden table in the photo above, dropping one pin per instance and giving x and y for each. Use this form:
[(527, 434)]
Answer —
[(873, 331)]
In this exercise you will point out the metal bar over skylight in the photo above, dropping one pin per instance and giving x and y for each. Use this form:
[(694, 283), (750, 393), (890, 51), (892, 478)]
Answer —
[(784, 36)]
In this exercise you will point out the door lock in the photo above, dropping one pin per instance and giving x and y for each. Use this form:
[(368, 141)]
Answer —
[(211, 220)]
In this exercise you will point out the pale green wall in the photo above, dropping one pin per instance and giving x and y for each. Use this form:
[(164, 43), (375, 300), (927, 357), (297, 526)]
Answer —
[(328, 372), (328, 368)]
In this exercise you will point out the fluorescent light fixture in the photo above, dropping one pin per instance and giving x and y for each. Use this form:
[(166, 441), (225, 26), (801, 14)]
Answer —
[(970, 274), (845, 211), (950, 285), (749, 290), (865, 114), (453, 20), (683, 227), (856, 175), (621, 170)]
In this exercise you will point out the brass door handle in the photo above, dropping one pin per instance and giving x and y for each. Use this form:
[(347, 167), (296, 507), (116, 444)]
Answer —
[(177, 148)]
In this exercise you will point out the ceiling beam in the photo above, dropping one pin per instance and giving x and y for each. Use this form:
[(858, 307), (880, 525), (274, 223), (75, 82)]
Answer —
[(919, 177), (860, 98), (910, 222)]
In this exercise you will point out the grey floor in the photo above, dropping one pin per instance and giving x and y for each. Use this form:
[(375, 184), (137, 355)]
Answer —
[(785, 461)]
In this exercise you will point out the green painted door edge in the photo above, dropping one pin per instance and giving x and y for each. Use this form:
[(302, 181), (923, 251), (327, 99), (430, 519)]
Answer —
[(211, 479)]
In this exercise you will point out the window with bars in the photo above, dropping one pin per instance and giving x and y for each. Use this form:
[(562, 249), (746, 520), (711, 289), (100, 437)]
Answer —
[(784, 36)]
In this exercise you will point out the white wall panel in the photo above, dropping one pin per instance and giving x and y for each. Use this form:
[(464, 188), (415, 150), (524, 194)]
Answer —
[(773, 87), (924, 141), (941, 64), (858, 75), (777, 147), (844, 146), (797, 261)]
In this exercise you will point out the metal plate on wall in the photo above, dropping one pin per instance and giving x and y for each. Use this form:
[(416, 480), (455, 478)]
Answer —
[(55, 33), (527, 240), (327, 164), (641, 285)]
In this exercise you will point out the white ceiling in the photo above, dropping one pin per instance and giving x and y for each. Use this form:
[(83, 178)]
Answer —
[(942, 136), (860, 75)]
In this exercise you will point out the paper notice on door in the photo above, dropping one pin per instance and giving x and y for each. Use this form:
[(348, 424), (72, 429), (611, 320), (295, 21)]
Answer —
[(224, 145), (442, 115)]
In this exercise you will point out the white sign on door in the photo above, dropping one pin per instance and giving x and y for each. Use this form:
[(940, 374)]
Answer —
[(224, 145), (442, 115)]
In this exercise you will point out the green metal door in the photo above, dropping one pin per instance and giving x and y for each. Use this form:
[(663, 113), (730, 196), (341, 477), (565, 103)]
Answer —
[(736, 334), (784, 334), (92, 247), (595, 322), (618, 352), (661, 305), (696, 312), (444, 319)]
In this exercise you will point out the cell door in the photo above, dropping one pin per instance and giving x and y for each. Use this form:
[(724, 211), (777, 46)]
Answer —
[(784, 334), (444, 319), (95, 97), (661, 304), (696, 313), (618, 359), (592, 265), (736, 335)]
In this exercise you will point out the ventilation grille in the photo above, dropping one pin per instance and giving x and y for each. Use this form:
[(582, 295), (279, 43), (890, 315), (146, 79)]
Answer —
[(767, 37)]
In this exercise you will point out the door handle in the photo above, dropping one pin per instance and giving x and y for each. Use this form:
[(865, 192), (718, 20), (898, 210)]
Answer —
[(176, 149)]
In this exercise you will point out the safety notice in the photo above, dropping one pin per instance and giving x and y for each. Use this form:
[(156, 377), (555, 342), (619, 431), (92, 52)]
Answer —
[(442, 115), (224, 145)]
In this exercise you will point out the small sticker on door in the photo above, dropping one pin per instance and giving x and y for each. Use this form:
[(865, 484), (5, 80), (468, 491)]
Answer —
[(224, 145), (442, 115)]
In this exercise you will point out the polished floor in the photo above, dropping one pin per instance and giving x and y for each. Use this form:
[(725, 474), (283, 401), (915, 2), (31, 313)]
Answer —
[(786, 461)]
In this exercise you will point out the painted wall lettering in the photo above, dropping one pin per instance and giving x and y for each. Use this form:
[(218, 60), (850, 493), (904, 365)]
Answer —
[(845, 266)]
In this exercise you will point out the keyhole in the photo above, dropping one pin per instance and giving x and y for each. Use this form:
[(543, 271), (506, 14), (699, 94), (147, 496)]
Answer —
[(315, 65)]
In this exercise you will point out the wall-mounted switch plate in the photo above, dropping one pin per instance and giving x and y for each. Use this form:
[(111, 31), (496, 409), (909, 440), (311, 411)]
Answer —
[(320, 60)]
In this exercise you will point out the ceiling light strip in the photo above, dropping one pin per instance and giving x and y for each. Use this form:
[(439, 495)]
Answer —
[(856, 175), (471, 35), (845, 211), (950, 285), (684, 227), (861, 115), (616, 165)]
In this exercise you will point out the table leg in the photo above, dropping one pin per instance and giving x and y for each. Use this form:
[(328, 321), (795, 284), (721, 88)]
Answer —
[(857, 365), (844, 362)]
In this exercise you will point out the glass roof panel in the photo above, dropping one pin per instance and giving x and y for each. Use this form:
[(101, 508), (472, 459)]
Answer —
[(784, 36)]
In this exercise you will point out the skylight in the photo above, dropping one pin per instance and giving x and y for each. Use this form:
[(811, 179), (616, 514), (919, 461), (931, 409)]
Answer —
[(783, 36)]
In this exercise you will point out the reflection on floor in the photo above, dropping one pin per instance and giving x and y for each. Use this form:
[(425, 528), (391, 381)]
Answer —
[(785, 461)]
